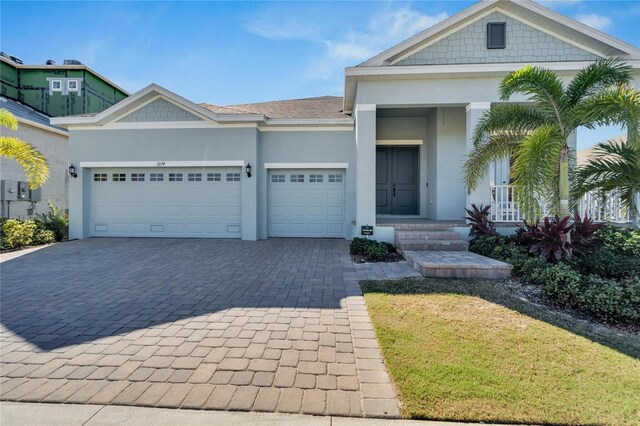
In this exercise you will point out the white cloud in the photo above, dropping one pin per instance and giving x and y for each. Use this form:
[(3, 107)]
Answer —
[(384, 30), (275, 25), (594, 20)]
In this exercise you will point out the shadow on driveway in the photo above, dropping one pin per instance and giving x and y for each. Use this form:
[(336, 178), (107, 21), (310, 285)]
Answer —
[(80, 291)]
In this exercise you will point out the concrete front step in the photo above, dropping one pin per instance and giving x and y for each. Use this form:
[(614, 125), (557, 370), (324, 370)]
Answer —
[(426, 235), (456, 264), (436, 245), (425, 226)]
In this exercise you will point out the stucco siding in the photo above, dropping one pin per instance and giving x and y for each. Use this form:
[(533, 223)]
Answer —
[(523, 44), (55, 148), (159, 110)]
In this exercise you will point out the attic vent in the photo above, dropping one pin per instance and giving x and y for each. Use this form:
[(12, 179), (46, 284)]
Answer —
[(496, 35)]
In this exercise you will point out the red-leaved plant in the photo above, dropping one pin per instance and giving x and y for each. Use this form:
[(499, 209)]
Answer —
[(479, 221), (552, 239)]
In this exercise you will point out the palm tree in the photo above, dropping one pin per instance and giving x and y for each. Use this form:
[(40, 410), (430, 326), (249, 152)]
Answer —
[(614, 171), (33, 162), (535, 134)]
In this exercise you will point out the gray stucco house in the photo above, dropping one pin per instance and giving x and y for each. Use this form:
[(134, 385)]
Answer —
[(157, 164)]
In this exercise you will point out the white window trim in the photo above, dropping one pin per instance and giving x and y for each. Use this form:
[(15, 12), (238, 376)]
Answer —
[(399, 142), (306, 165), (53, 89)]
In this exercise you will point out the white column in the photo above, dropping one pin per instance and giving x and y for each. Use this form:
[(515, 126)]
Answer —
[(481, 194), (365, 117)]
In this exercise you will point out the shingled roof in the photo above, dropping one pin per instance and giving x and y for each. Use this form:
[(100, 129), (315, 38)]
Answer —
[(584, 155), (318, 107)]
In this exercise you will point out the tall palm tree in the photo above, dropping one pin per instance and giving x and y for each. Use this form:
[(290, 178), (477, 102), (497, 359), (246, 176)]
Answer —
[(536, 134), (33, 162), (614, 170)]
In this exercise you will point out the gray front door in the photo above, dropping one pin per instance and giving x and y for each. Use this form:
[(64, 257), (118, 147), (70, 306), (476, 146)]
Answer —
[(397, 180)]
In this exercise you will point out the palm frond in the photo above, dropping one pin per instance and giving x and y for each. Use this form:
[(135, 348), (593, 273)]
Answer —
[(535, 170), (597, 76), (614, 170), (494, 148), (515, 118), (8, 120), (616, 106), (542, 86), (33, 162)]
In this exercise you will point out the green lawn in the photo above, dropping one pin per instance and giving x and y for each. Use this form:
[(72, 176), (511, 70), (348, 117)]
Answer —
[(472, 351)]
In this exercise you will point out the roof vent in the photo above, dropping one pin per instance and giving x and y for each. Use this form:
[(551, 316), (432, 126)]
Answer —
[(50, 62), (72, 62), (11, 58)]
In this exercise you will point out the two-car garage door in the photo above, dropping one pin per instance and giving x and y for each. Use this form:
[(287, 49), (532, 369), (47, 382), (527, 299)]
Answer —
[(306, 203), (166, 202)]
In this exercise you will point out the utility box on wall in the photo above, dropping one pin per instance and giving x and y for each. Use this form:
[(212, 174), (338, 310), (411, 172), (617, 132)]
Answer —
[(9, 190), (23, 190), (35, 195)]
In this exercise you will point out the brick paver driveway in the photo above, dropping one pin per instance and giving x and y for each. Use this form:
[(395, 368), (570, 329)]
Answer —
[(276, 325)]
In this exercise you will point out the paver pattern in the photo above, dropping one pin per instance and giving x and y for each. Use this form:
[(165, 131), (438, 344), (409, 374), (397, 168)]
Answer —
[(277, 325)]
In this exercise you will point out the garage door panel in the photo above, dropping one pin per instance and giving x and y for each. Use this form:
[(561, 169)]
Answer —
[(306, 203), (162, 208)]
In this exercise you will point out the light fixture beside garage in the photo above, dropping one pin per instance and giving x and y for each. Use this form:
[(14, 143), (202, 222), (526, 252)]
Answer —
[(248, 170), (72, 171)]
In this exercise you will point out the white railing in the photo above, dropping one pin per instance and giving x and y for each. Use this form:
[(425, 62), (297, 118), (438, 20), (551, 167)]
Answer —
[(504, 207), (608, 210), (503, 204)]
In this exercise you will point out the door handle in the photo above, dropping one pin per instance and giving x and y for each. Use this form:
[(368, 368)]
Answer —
[(394, 189)]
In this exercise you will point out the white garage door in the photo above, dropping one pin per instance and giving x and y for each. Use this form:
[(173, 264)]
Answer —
[(306, 203), (168, 202)]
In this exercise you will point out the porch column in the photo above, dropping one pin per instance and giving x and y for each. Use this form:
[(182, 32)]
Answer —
[(365, 117), (481, 194)]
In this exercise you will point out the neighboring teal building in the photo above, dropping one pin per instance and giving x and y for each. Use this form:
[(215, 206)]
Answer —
[(58, 90)]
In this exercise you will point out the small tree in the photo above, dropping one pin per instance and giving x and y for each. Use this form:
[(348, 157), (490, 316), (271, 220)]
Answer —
[(536, 134), (31, 160)]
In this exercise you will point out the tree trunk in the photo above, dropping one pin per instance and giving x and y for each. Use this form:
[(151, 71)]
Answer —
[(564, 182)]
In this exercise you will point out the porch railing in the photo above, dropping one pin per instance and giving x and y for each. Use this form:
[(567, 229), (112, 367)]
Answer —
[(504, 207)]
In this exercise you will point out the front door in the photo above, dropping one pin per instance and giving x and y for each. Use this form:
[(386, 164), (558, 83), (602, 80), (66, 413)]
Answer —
[(397, 180)]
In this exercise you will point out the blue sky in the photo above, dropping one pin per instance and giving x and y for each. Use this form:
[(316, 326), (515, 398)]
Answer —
[(237, 52)]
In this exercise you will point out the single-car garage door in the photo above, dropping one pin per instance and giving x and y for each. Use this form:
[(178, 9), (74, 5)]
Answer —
[(306, 203), (167, 202)]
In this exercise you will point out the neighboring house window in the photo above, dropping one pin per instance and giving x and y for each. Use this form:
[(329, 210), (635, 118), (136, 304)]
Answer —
[(214, 177), (496, 35), (137, 177), (233, 177), (118, 177), (337, 178), (278, 178), (73, 86), (156, 177), (175, 177), (316, 178), (99, 177), (194, 177), (296, 178), (55, 85)]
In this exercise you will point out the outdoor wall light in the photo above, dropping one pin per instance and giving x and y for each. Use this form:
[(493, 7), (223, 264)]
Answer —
[(248, 170), (72, 171)]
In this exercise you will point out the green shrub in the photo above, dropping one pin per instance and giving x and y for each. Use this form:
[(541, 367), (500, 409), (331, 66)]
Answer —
[(608, 262), (43, 236), (622, 239), (611, 300), (17, 233), (485, 244), (559, 282), (54, 221), (372, 250)]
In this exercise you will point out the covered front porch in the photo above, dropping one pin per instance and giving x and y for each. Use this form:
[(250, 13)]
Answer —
[(418, 152)]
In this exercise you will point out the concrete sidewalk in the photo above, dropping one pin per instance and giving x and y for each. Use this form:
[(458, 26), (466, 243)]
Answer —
[(21, 413)]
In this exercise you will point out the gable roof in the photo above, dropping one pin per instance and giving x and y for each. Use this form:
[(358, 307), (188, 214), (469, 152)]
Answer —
[(316, 107), (321, 111), (28, 115), (525, 10)]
